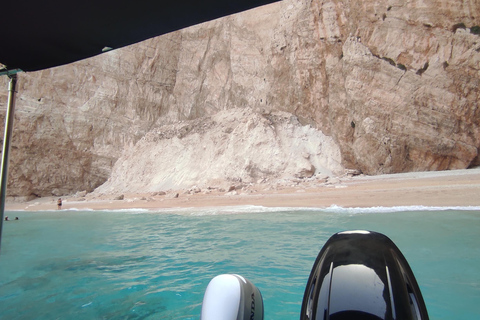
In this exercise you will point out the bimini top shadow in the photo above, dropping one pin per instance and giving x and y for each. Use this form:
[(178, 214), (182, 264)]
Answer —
[(37, 35)]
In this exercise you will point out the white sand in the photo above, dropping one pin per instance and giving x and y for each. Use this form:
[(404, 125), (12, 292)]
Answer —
[(443, 189)]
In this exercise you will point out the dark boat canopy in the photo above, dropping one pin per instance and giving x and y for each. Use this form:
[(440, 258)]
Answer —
[(37, 35)]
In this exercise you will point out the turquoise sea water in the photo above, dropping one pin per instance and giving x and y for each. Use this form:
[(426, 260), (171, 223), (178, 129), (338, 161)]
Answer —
[(143, 265)]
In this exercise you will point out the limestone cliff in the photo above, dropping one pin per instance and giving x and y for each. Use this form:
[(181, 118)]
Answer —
[(393, 83), (235, 146)]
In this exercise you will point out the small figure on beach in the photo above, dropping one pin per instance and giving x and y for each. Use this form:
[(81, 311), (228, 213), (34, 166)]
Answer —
[(59, 204)]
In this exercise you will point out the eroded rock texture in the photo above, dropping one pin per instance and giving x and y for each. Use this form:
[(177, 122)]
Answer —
[(233, 146), (394, 83)]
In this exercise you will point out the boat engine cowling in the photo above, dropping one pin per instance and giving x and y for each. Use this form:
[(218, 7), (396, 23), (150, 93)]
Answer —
[(232, 297), (362, 275)]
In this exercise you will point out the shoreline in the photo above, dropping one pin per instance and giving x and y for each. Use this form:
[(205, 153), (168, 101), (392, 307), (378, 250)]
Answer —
[(456, 188)]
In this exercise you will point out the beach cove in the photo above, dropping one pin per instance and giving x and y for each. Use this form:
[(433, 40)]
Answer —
[(455, 188)]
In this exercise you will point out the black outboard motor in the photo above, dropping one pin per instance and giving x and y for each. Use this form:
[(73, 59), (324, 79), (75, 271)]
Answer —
[(362, 275), (232, 297)]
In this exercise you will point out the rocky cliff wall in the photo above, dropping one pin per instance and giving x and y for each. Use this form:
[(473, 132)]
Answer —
[(233, 147), (394, 83)]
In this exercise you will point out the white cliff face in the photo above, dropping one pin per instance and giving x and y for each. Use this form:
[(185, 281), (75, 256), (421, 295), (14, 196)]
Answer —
[(237, 145), (393, 83)]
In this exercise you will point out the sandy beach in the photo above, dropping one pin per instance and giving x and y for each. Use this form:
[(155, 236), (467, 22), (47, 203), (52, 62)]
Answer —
[(438, 189)]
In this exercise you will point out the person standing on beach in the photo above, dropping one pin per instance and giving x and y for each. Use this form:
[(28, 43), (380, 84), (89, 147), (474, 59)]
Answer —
[(59, 204)]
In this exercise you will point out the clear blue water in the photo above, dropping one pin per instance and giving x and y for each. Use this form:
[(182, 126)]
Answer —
[(144, 265)]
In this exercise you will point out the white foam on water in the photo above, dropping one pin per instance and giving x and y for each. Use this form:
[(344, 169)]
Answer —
[(233, 210), (130, 211), (227, 210), (339, 209), (73, 209), (361, 210), (251, 209)]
